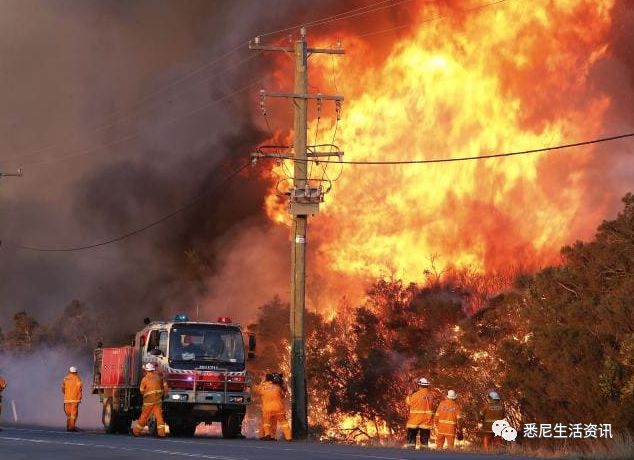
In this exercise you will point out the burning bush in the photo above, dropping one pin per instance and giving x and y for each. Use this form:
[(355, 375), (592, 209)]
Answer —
[(557, 344)]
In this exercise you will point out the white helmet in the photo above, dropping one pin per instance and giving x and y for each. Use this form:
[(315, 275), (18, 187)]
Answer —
[(451, 394), (72, 369), (422, 382), (149, 367), (494, 395)]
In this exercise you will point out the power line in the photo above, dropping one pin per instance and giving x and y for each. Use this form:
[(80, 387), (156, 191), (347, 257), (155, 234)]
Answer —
[(191, 202), (436, 18), (348, 16), (335, 17), (121, 115), (84, 151), (138, 108), (450, 160)]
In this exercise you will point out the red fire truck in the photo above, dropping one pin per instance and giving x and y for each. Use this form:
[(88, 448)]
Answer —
[(203, 364)]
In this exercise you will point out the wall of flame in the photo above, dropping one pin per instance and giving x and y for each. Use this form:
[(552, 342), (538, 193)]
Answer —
[(460, 80)]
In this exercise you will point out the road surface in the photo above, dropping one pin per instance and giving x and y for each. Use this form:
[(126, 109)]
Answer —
[(33, 443)]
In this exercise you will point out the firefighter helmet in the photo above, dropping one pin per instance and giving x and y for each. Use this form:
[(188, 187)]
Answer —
[(451, 394), (494, 395), (422, 382), (72, 369), (277, 378), (149, 367)]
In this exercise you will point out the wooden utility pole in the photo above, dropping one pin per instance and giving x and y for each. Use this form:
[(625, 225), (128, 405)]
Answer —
[(299, 396), (304, 201)]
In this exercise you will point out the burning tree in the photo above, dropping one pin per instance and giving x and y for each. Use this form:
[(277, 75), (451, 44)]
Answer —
[(363, 362), (576, 363), (557, 344)]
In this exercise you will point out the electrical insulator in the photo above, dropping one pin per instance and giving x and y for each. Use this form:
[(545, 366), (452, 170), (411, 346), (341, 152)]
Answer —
[(263, 102), (338, 109)]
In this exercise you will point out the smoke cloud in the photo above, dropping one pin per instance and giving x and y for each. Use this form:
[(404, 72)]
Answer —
[(34, 388), (111, 136)]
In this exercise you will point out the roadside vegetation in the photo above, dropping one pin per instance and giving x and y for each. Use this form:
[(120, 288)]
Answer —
[(557, 344)]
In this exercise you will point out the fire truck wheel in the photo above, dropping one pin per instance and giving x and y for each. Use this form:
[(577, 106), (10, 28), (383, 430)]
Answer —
[(124, 425), (231, 425), (109, 417), (183, 429)]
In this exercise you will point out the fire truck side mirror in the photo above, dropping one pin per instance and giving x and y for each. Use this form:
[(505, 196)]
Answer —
[(251, 342)]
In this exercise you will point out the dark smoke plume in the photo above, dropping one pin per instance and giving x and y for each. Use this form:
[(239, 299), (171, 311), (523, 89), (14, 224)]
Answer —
[(111, 136)]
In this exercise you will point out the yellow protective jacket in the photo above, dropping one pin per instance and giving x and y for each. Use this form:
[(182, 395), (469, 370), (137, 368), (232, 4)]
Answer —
[(71, 388), (153, 388), (3, 384), (272, 397), (421, 409), (447, 416), (494, 410)]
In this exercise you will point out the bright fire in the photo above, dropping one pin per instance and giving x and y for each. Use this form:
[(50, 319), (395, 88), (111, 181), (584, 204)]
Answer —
[(506, 77)]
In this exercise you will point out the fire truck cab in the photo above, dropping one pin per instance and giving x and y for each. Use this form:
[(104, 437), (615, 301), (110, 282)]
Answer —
[(203, 364)]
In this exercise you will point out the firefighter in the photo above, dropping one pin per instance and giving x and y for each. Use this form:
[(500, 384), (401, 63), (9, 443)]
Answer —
[(447, 421), (190, 347), (421, 414), (3, 385), (272, 391), (214, 347), (492, 411), (154, 389), (72, 391)]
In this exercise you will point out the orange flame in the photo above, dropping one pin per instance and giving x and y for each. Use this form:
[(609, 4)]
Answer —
[(507, 77)]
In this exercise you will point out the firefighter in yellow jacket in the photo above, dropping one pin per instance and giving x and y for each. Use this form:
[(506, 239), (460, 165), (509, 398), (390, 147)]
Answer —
[(3, 385), (72, 391), (447, 420), (421, 414), (494, 410), (273, 412), (154, 389)]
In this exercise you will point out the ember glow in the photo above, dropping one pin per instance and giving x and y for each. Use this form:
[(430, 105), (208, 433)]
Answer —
[(507, 77)]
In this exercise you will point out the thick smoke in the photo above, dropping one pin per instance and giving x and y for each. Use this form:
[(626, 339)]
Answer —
[(33, 393), (111, 136)]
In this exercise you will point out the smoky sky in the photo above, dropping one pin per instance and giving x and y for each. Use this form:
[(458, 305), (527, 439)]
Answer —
[(120, 111)]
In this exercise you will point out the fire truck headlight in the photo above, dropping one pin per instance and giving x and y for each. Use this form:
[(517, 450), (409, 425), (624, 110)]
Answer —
[(179, 397), (236, 399)]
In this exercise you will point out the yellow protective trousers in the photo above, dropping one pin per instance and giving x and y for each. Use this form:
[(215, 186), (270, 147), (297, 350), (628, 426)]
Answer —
[(270, 421), (441, 438), (72, 411), (150, 410)]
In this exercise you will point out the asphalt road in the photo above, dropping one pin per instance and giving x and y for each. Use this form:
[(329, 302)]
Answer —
[(33, 443)]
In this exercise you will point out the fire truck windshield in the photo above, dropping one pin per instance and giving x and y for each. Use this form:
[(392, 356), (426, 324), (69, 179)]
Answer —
[(200, 345)]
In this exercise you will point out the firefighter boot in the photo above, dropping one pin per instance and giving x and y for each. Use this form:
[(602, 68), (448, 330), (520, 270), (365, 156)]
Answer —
[(411, 438)]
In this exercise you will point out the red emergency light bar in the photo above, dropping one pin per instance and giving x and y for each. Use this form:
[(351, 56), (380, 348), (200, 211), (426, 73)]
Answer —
[(224, 320)]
